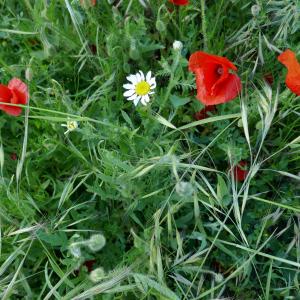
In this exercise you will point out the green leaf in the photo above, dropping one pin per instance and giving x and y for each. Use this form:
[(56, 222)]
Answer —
[(179, 101)]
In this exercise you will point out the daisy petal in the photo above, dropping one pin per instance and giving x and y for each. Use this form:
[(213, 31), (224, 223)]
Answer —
[(148, 76), (151, 93), (153, 86), (128, 86), (132, 79), (147, 98), (138, 77), (144, 100), (142, 75), (129, 93), (136, 100), (132, 97), (152, 81)]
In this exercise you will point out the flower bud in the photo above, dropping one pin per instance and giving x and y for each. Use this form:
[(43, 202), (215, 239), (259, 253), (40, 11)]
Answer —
[(133, 51), (96, 242), (219, 278), (177, 45), (255, 9), (97, 274), (184, 188), (28, 74), (160, 26), (75, 250)]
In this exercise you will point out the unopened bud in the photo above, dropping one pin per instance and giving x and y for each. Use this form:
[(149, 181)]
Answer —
[(96, 242), (177, 45), (75, 250), (160, 26), (97, 274), (255, 9), (184, 188), (28, 74), (133, 51), (219, 278)]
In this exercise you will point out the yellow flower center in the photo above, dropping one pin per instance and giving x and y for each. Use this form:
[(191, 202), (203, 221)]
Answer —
[(142, 88)]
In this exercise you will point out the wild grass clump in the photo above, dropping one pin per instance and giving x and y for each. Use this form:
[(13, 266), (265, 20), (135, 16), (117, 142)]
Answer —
[(101, 199)]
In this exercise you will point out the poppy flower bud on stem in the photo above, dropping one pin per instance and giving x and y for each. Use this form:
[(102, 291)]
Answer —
[(96, 242), (160, 26), (255, 9), (28, 74), (133, 51), (97, 275), (177, 45)]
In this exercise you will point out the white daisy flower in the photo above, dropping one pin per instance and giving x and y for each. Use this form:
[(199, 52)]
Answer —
[(70, 125), (139, 88)]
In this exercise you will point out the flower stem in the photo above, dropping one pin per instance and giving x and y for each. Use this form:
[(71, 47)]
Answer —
[(204, 30)]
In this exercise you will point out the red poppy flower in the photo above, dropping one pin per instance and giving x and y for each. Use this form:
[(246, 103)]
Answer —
[(180, 2), (202, 114), (292, 80), (15, 93), (240, 171), (215, 83)]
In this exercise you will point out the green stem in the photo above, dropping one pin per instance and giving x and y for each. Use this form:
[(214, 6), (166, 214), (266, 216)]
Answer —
[(204, 30), (172, 80)]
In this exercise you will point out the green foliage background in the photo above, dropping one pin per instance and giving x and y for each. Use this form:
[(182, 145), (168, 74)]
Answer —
[(156, 185)]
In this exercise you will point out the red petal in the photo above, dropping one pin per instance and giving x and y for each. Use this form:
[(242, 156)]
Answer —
[(11, 110), (288, 58), (227, 90), (179, 2), (202, 114), (6, 95), (199, 58), (20, 90), (240, 172)]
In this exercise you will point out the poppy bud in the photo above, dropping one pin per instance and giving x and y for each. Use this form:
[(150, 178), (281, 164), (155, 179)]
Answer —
[(134, 53), (219, 278), (255, 9), (75, 250), (126, 67), (96, 242), (97, 274), (160, 26), (1, 157), (177, 45), (184, 188), (28, 74)]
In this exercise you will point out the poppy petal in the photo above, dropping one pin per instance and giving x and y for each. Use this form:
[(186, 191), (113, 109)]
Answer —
[(179, 2), (11, 110), (199, 58), (20, 90), (292, 80), (229, 89), (5, 94)]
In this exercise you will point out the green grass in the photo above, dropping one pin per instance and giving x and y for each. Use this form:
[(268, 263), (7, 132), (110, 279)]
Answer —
[(150, 180)]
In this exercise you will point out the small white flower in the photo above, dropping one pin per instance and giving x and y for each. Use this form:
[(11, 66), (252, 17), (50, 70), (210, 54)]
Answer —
[(139, 88), (177, 45), (70, 125)]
